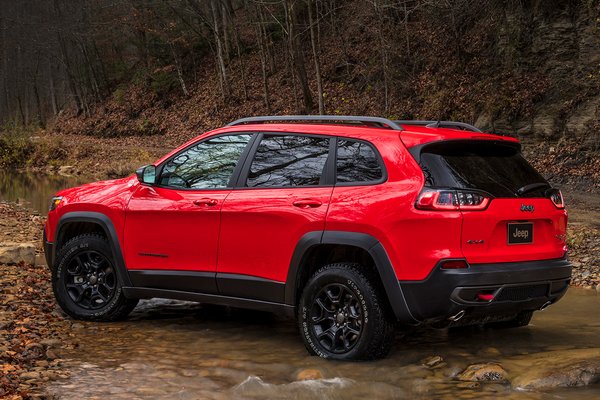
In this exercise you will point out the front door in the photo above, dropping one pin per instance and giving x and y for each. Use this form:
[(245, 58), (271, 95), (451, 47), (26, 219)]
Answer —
[(174, 225)]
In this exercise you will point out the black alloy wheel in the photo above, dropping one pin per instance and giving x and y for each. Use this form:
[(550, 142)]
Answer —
[(90, 280), (337, 318), (344, 315)]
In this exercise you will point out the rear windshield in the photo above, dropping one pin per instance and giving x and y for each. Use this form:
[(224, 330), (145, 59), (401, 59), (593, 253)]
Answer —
[(498, 169)]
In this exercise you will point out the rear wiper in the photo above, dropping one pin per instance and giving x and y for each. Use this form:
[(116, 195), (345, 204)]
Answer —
[(532, 186)]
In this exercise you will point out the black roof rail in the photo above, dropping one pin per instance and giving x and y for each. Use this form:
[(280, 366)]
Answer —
[(369, 121), (441, 124)]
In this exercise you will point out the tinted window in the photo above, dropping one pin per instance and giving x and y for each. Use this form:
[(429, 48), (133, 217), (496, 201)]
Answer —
[(357, 162), (207, 165), (497, 169), (288, 161)]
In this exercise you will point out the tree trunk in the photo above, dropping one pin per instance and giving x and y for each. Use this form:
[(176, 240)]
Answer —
[(64, 54), (219, 48), (263, 58), (179, 71), (53, 101), (297, 56), (313, 42)]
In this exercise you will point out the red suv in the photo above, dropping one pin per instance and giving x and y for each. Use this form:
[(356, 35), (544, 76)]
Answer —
[(352, 224)]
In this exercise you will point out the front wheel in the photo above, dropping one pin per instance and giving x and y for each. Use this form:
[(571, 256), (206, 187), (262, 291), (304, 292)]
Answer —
[(343, 315), (86, 283)]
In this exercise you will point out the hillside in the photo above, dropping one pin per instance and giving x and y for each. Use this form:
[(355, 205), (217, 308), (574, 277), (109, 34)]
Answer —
[(524, 68)]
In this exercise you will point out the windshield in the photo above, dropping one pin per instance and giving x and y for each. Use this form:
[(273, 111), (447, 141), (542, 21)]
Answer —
[(493, 167)]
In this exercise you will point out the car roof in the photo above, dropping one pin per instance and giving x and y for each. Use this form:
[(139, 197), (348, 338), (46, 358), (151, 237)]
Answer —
[(411, 135)]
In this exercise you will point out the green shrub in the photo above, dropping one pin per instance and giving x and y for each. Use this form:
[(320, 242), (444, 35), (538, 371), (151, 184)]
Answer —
[(15, 150)]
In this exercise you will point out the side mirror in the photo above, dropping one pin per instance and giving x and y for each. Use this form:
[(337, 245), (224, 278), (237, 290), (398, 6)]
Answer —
[(146, 174)]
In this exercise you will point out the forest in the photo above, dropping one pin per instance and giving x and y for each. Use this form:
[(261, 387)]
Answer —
[(171, 69)]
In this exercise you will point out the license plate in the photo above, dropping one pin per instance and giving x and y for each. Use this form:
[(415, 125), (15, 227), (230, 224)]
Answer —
[(520, 233)]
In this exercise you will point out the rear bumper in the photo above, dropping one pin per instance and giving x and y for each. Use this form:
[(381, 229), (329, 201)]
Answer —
[(521, 286)]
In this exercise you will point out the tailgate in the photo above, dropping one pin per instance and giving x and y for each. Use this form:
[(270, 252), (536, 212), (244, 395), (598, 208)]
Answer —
[(509, 230)]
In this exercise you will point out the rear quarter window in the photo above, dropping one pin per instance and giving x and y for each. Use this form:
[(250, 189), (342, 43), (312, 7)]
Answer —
[(357, 162)]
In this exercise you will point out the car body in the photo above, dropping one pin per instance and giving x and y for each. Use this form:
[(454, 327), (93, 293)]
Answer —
[(246, 215)]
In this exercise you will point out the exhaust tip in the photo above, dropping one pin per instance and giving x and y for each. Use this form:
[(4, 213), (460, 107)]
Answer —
[(545, 305), (457, 316)]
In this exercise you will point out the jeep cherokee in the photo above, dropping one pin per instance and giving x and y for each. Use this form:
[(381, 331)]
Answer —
[(353, 225)]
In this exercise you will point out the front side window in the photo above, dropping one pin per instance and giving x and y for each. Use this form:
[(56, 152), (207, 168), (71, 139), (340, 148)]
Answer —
[(284, 161), (207, 165), (357, 162)]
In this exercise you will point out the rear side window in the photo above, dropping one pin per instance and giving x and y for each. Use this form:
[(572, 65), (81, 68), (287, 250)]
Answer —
[(498, 169), (357, 162), (287, 161)]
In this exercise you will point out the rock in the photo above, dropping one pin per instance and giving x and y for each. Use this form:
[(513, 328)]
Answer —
[(14, 253), (309, 374), (432, 361), (66, 170), (50, 355), (29, 375), (553, 369), (483, 372)]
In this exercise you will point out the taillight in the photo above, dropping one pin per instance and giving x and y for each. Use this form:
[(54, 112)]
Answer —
[(557, 198), (444, 199)]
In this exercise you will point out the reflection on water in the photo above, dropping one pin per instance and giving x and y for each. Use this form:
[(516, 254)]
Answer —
[(33, 190), (171, 349)]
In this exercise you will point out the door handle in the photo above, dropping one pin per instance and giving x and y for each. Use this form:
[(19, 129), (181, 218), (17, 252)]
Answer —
[(206, 202), (307, 203)]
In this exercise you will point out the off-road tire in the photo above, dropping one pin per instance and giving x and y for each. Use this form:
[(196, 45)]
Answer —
[(116, 308), (377, 329)]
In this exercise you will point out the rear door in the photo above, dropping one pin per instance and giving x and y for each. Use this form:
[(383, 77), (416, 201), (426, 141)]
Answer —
[(521, 221), (284, 192)]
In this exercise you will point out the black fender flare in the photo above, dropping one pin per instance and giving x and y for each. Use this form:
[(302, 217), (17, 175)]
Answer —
[(109, 229), (371, 245)]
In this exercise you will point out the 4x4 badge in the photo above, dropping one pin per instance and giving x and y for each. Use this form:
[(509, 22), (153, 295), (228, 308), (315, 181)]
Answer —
[(527, 207)]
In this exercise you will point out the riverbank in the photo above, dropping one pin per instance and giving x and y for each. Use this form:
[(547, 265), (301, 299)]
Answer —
[(32, 329)]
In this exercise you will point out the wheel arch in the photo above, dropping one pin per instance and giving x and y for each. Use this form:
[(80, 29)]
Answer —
[(75, 223), (360, 245)]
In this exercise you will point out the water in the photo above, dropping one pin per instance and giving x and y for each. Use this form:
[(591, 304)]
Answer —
[(170, 349), (179, 350), (33, 190)]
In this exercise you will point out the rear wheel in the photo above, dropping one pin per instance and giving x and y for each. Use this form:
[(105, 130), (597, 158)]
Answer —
[(86, 283), (343, 315)]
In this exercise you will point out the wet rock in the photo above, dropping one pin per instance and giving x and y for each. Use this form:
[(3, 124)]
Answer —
[(432, 361), (14, 253), (553, 369), (309, 374), (253, 386), (492, 351), (483, 372)]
